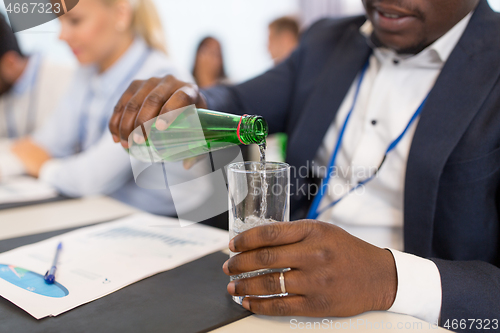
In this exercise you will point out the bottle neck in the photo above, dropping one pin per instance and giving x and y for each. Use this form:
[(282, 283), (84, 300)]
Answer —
[(253, 129)]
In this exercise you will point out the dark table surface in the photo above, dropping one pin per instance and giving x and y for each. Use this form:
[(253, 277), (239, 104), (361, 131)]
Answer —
[(31, 203), (190, 298)]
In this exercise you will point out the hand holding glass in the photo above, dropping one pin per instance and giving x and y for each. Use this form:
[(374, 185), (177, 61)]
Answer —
[(258, 195)]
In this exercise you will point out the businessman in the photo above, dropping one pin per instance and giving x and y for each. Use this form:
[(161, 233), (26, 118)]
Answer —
[(411, 93)]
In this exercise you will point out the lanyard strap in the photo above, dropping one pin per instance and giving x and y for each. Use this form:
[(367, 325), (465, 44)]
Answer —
[(313, 212), (89, 96)]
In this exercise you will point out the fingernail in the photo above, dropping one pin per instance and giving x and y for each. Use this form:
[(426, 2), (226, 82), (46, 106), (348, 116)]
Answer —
[(124, 144), (116, 139), (246, 303), (224, 267), (139, 139), (231, 288), (161, 124), (231, 245)]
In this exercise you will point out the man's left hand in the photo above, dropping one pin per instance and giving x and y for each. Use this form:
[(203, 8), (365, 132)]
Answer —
[(332, 272)]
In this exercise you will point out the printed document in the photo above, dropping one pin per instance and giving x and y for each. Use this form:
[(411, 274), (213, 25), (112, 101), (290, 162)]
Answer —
[(98, 260)]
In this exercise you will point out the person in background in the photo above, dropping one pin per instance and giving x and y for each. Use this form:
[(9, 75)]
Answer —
[(115, 42), (208, 69), (284, 34), (30, 87)]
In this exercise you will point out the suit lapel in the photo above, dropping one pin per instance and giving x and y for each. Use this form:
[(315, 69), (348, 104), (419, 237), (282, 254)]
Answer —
[(460, 90), (344, 64)]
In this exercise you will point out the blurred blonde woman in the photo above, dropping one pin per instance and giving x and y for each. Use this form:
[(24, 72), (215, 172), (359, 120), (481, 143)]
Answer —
[(115, 42)]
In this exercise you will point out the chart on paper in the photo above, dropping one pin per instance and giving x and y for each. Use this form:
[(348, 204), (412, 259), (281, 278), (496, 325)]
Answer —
[(99, 260), (31, 281)]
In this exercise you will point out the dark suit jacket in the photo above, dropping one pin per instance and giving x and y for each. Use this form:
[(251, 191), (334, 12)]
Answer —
[(452, 188)]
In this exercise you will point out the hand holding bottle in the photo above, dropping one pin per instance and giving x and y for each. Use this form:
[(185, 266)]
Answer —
[(161, 120), (147, 99)]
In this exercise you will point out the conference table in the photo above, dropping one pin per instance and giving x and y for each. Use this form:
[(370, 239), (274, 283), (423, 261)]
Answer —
[(69, 214)]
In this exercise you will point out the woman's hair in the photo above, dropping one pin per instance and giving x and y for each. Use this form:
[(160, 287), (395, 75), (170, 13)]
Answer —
[(222, 74), (146, 23)]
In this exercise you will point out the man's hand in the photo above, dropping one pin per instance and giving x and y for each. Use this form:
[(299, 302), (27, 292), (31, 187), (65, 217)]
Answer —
[(145, 100), (333, 273), (31, 155)]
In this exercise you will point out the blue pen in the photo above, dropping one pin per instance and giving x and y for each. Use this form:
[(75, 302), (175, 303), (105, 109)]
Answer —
[(50, 276)]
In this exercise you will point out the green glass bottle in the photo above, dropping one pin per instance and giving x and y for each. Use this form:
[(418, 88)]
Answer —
[(191, 132)]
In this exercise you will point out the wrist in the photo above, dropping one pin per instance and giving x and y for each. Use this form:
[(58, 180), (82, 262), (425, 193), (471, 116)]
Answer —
[(389, 281)]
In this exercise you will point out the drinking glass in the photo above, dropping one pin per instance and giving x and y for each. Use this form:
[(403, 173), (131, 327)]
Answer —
[(259, 194)]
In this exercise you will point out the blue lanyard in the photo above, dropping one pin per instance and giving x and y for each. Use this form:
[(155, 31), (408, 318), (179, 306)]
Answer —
[(89, 96), (313, 212), (32, 107)]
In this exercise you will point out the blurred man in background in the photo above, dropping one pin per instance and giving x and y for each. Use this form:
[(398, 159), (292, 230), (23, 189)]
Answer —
[(30, 87), (284, 34)]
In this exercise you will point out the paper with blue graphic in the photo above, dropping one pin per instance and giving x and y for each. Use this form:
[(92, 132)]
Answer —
[(98, 260)]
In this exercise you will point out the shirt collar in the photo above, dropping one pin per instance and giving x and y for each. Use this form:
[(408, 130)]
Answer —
[(445, 45), (113, 76), (441, 47), (28, 77)]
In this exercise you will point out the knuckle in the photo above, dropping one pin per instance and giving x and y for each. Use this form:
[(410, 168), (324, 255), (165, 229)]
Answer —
[(271, 282), (305, 228), (282, 308), (168, 82), (240, 287), (183, 97), (155, 99), (311, 226), (270, 233), (136, 84), (169, 78), (152, 82), (133, 107), (265, 257), (118, 108), (323, 255)]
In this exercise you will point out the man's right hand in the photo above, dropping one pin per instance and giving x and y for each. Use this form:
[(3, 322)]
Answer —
[(145, 100)]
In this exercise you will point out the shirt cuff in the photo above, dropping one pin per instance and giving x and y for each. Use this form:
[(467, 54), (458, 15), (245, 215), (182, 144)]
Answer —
[(10, 165), (419, 287), (48, 172)]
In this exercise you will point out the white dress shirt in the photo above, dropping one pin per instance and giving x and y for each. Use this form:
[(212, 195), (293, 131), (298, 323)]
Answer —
[(86, 161), (393, 88)]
